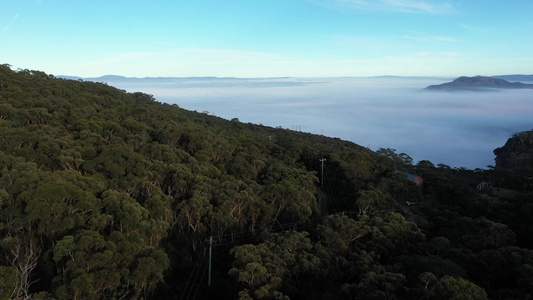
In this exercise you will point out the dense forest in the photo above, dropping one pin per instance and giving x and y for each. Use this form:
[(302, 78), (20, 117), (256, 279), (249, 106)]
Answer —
[(106, 194)]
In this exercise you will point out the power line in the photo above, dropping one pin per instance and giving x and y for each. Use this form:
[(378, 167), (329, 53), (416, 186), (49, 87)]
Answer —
[(197, 287), (322, 160), (210, 251), (331, 191), (194, 273)]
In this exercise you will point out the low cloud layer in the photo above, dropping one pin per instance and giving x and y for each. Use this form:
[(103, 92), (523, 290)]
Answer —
[(456, 129)]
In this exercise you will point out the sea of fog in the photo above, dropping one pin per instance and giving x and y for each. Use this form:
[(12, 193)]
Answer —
[(458, 129)]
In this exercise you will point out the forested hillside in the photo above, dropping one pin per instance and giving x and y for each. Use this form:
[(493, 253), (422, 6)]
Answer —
[(112, 195)]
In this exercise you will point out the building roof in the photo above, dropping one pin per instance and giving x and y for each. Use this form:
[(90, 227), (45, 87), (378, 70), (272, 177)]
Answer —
[(410, 176)]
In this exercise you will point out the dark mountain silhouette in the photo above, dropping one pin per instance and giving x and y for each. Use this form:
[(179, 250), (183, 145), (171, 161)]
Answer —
[(478, 83), (517, 153), (516, 77)]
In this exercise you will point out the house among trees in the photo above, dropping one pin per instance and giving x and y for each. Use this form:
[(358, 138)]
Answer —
[(411, 177), (482, 186)]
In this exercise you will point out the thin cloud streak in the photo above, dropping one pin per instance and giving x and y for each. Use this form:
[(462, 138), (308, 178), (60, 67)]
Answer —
[(419, 6), (406, 6), (240, 63), (432, 39), (228, 63), (9, 25), (473, 28), (198, 62)]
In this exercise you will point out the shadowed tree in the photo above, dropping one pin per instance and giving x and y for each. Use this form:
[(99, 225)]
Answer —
[(267, 269), (451, 288)]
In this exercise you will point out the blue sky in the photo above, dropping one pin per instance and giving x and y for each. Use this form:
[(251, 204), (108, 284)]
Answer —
[(265, 38)]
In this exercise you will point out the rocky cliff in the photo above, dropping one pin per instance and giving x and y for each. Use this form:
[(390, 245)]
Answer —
[(517, 153)]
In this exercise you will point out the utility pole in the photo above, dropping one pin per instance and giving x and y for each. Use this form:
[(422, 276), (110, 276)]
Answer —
[(322, 181), (210, 248)]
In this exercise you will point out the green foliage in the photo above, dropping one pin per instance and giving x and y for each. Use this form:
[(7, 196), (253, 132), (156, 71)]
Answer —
[(266, 269), (8, 282), (376, 286), (339, 233), (451, 288), (370, 201)]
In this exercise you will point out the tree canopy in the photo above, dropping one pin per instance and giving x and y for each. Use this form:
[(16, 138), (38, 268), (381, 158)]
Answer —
[(106, 194)]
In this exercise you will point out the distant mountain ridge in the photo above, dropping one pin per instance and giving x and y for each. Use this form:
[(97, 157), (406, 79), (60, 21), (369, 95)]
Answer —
[(516, 77), (197, 82), (162, 78), (480, 83)]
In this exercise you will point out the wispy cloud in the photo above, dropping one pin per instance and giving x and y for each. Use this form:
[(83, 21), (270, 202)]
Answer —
[(473, 28), (238, 63), (432, 39), (364, 42), (9, 25), (414, 6), (207, 55), (407, 6), (191, 61)]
